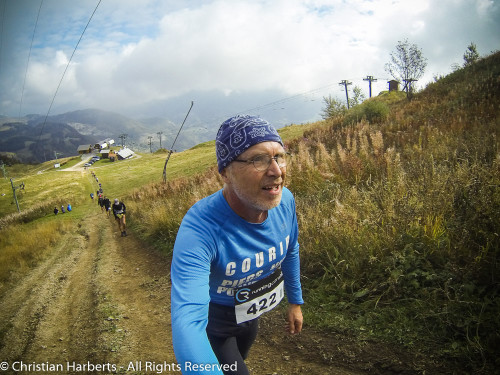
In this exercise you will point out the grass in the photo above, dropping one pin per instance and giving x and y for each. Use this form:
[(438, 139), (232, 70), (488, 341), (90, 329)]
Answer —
[(24, 245), (399, 216)]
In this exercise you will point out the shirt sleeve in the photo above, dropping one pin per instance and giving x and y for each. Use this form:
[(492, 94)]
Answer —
[(291, 263), (190, 298)]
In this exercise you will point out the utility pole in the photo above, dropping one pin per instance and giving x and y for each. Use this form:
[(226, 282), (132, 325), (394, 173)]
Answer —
[(14, 191), (370, 79), (150, 150), (123, 137), (159, 135), (345, 83)]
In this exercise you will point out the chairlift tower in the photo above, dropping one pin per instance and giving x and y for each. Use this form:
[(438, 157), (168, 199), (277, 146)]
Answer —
[(345, 83), (370, 79), (2, 166), (123, 137), (150, 143), (159, 135), (14, 188)]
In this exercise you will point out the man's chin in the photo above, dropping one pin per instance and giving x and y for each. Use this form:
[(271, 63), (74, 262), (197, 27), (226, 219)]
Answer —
[(271, 203)]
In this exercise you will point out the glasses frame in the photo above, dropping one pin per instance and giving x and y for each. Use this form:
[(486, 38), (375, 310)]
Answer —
[(286, 157)]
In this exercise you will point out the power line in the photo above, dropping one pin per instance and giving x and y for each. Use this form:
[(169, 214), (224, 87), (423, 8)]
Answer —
[(28, 62), (219, 119), (1, 35), (64, 73), (285, 99)]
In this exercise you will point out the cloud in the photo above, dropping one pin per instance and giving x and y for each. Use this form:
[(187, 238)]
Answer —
[(135, 55)]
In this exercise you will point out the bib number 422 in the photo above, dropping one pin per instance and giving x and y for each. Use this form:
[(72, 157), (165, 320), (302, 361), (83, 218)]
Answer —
[(262, 305), (255, 307)]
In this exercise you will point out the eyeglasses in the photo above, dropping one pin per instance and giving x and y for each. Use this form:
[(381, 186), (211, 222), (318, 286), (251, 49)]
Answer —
[(263, 162)]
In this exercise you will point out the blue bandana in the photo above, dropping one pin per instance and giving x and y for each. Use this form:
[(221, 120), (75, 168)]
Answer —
[(238, 134)]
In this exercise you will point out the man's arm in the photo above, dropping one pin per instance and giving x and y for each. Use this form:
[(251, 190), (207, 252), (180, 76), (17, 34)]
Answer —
[(190, 272)]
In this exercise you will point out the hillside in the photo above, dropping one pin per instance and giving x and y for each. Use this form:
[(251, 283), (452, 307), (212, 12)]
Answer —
[(399, 214), (62, 132), (36, 143)]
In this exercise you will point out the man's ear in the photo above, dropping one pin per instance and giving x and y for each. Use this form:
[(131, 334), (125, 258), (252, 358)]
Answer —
[(224, 174)]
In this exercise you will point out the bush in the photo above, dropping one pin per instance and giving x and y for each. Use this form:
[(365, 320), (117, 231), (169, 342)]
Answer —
[(373, 111)]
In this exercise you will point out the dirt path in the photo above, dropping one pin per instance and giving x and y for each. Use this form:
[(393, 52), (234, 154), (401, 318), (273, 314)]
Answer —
[(101, 302), (99, 299)]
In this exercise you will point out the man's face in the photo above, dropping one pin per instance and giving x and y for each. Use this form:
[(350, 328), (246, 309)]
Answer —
[(250, 191)]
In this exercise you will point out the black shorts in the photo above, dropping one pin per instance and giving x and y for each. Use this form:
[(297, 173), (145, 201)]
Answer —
[(230, 341)]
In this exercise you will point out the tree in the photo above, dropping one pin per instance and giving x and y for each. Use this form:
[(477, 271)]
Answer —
[(470, 55), (407, 64), (333, 108), (357, 98)]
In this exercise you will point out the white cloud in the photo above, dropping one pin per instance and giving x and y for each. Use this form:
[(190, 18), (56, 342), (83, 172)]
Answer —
[(135, 53)]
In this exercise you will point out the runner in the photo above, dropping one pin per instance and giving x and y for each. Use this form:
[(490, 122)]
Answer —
[(235, 253), (107, 205), (101, 203), (119, 212)]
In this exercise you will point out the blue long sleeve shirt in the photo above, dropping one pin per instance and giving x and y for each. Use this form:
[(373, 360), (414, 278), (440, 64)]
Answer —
[(217, 252)]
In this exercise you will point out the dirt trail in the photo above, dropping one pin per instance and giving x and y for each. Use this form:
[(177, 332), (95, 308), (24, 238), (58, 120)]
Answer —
[(99, 299), (101, 302)]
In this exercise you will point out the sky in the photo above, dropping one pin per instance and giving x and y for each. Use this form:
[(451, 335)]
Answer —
[(274, 58)]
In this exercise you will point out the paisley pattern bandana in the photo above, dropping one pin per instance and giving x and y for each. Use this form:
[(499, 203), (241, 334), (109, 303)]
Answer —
[(238, 134)]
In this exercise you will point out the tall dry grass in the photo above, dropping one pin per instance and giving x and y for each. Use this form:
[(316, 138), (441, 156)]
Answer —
[(156, 210), (400, 222), (23, 247)]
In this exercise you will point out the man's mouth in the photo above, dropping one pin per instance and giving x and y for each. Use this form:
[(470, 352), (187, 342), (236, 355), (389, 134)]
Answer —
[(273, 188)]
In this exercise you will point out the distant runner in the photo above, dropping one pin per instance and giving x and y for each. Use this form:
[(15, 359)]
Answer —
[(107, 205)]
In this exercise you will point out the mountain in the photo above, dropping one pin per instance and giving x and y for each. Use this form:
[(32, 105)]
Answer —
[(33, 141), (37, 142)]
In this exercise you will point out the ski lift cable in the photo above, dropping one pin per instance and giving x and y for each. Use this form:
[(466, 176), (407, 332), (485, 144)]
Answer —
[(1, 35), (64, 73), (28, 62), (217, 119), (285, 99)]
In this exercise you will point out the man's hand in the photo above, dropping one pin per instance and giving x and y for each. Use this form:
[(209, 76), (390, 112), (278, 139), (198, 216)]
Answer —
[(295, 319)]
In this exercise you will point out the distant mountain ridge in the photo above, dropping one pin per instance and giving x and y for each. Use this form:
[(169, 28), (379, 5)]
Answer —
[(30, 140), (31, 143)]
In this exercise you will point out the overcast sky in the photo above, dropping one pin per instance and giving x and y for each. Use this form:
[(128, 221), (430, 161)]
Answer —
[(277, 58)]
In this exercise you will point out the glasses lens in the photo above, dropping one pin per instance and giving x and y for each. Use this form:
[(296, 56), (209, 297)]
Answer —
[(262, 163), (282, 160)]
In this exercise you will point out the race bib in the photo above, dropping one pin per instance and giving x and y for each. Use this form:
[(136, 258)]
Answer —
[(256, 299)]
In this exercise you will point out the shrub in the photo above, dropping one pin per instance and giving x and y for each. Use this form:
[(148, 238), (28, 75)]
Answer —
[(373, 111)]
